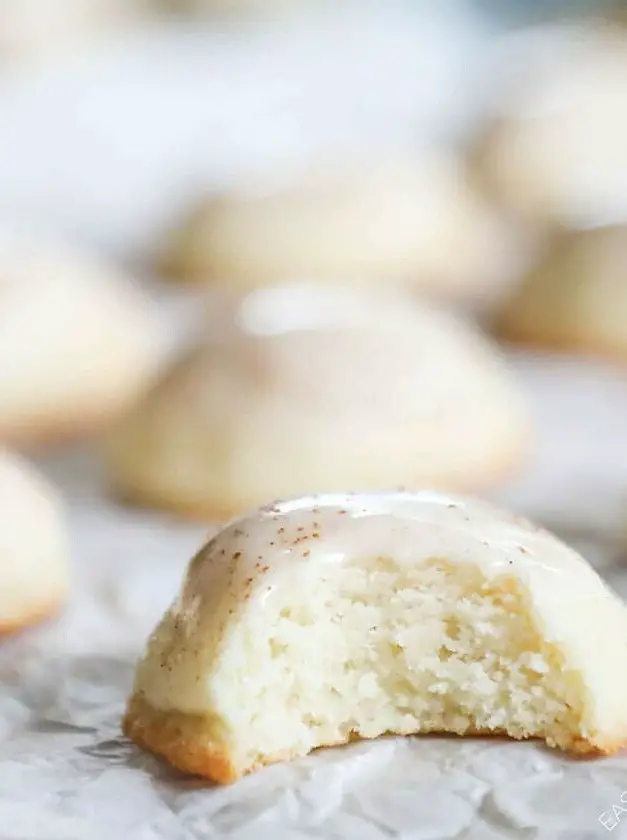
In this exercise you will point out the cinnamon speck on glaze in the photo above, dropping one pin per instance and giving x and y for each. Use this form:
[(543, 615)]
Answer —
[(330, 525)]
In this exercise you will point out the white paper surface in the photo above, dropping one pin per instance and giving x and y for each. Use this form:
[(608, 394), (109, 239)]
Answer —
[(107, 148)]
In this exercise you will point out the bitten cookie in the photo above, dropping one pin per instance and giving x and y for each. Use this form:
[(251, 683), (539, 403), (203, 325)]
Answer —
[(417, 223), (431, 614), (76, 343), (576, 299), (307, 389), (33, 546)]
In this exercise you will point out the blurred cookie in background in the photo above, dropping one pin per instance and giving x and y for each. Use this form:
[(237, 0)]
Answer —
[(555, 151), (575, 300), (34, 555), (305, 388), (414, 222), (77, 342), (30, 29), (208, 8)]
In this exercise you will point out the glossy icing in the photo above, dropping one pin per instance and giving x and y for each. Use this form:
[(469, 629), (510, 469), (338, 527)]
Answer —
[(257, 556), (408, 526)]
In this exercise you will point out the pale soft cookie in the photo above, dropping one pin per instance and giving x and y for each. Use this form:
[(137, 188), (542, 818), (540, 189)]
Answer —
[(30, 29), (306, 389), (204, 8), (316, 621), (34, 546), (76, 342), (576, 298), (556, 149), (413, 222)]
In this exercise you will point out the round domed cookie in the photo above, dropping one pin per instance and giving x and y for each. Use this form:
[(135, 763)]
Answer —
[(311, 388), (575, 300), (30, 29), (76, 342), (555, 150), (34, 546), (432, 614), (202, 8), (411, 222)]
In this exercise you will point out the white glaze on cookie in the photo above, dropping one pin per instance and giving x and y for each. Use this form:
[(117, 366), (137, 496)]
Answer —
[(248, 562)]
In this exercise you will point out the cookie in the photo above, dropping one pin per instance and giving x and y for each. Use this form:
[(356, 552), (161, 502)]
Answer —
[(34, 570), (30, 29), (416, 223), (76, 343), (575, 300), (305, 389), (554, 151), (324, 619)]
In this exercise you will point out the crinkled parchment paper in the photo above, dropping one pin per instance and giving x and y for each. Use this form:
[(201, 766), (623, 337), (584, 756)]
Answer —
[(67, 773)]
